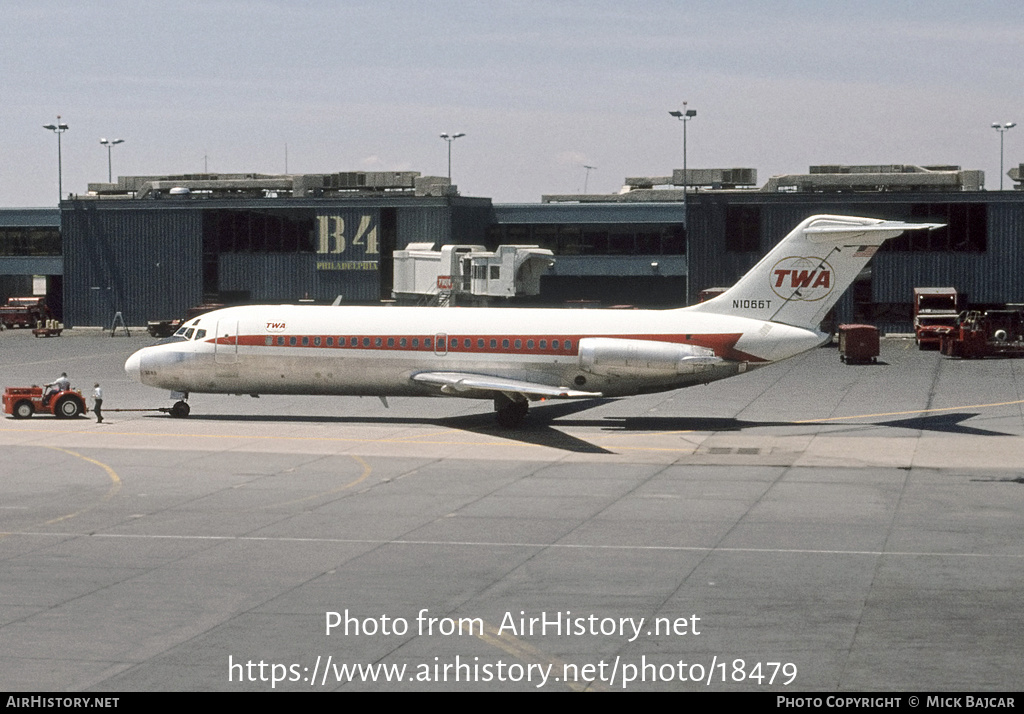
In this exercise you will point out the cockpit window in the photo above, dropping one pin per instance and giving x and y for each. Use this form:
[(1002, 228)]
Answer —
[(200, 334), (176, 337), (180, 332), (188, 333)]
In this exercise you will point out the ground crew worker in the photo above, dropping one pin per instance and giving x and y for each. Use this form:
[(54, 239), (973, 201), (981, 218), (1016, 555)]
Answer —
[(58, 385), (97, 399)]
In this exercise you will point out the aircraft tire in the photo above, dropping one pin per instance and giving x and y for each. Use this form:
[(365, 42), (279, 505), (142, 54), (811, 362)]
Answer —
[(180, 410), (67, 408), (23, 410)]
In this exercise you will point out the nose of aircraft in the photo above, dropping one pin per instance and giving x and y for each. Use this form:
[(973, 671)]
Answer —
[(132, 366)]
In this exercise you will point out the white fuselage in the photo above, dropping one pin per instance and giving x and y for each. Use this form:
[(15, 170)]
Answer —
[(294, 349), (516, 355)]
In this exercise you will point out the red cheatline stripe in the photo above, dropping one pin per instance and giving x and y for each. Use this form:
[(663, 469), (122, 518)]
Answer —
[(722, 344)]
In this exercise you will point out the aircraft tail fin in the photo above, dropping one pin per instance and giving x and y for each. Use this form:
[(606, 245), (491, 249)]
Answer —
[(807, 272)]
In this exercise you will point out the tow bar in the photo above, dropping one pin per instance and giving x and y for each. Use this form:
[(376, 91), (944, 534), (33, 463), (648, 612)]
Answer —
[(165, 410)]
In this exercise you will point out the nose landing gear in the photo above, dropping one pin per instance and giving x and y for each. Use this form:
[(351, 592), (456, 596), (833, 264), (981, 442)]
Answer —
[(180, 410)]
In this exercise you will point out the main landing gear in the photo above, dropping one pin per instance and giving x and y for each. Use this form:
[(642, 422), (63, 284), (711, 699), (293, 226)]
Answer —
[(510, 412)]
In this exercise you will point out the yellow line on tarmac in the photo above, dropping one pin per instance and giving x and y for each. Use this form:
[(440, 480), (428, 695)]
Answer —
[(426, 440), (913, 411), (255, 437), (845, 418), (367, 469), (111, 492)]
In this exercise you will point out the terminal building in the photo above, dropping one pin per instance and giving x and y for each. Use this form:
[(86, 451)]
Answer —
[(151, 247)]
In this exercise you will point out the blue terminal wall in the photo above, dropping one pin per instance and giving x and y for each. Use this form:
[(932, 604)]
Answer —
[(988, 271), (141, 259), (154, 259)]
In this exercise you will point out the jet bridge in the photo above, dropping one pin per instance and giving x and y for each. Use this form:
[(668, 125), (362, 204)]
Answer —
[(467, 274)]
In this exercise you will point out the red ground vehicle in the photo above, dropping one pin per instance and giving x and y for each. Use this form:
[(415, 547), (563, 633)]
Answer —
[(166, 328), (986, 334), (23, 312), (23, 402), (935, 312), (708, 293)]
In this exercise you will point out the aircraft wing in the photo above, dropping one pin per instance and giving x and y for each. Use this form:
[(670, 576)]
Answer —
[(454, 383)]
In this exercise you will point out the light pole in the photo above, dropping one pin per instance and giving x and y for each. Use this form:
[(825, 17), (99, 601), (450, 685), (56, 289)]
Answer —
[(586, 177), (110, 144), (58, 129), (684, 116), (1002, 129), (450, 138)]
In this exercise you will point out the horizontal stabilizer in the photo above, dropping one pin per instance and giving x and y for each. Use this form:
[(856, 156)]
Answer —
[(454, 383), (845, 230)]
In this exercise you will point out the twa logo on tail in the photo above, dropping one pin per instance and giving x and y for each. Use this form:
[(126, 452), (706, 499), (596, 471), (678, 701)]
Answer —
[(798, 278)]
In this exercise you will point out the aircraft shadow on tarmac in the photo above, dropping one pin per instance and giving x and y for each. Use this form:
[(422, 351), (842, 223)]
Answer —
[(539, 428), (950, 423)]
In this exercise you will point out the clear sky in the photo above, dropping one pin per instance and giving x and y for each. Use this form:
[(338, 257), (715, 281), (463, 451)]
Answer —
[(540, 87)]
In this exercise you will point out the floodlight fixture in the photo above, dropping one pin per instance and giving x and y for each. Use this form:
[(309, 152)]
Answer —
[(1002, 129), (450, 138), (110, 144), (58, 129)]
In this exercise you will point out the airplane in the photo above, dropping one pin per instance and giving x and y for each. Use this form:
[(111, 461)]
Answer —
[(518, 355)]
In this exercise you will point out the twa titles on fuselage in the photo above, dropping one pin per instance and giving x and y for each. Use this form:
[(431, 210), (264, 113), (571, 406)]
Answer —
[(515, 356)]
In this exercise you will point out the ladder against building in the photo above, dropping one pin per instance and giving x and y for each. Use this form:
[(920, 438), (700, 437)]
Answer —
[(118, 321)]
